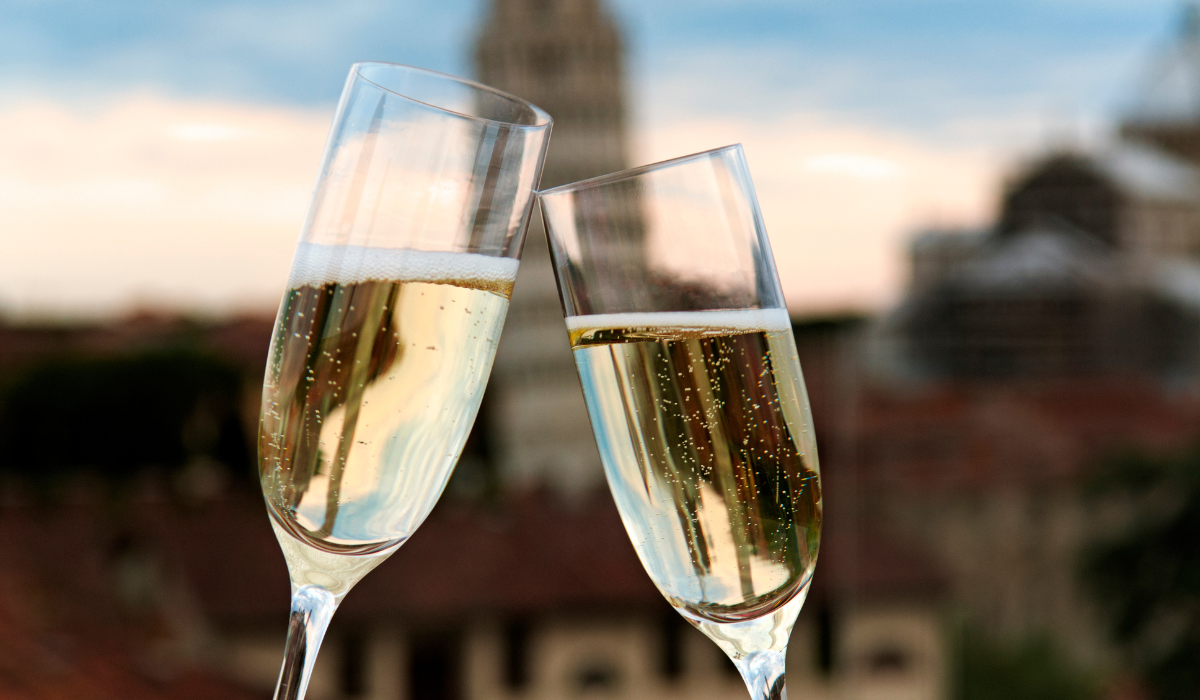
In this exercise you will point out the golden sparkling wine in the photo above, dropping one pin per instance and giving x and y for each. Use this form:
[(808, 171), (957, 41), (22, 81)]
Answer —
[(702, 423), (377, 366)]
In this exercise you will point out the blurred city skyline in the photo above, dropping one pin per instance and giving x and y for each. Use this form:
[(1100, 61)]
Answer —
[(161, 156)]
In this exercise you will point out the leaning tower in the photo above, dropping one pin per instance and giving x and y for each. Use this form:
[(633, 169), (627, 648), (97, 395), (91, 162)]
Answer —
[(564, 56)]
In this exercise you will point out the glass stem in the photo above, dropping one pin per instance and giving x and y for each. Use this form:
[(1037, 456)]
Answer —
[(763, 672), (312, 609)]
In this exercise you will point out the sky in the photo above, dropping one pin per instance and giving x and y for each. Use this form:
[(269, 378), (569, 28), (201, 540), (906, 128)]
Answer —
[(160, 155)]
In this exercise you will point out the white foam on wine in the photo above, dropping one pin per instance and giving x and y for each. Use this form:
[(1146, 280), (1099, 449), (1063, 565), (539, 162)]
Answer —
[(767, 320), (316, 264)]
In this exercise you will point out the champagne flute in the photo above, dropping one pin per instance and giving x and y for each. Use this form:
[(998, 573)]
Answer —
[(385, 338), (685, 353)]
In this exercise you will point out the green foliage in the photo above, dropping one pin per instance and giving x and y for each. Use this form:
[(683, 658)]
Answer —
[(120, 415), (1147, 575), (1029, 670)]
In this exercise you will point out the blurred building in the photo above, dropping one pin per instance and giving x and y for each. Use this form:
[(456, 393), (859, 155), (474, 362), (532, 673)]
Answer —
[(1093, 267), (1025, 354), (526, 594), (484, 603)]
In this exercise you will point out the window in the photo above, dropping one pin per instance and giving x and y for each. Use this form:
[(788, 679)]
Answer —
[(354, 665), (433, 668), (597, 675), (516, 654), (889, 658), (826, 643), (671, 633)]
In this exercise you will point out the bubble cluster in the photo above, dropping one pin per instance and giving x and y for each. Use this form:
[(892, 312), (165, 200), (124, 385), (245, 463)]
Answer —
[(316, 264)]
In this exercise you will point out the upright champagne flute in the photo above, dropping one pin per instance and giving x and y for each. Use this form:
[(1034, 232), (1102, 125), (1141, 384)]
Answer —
[(386, 335), (685, 353)]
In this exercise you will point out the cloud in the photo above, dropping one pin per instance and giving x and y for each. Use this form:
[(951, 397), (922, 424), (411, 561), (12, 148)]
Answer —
[(859, 166), (207, 132), (152, 201), (840, 202), (197, 204)]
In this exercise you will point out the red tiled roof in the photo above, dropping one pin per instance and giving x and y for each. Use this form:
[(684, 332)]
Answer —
[(965, 438), (62, 635), (531, 555)]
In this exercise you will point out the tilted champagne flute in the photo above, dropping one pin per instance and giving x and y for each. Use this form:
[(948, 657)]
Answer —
[(385, 338), (690, 373)]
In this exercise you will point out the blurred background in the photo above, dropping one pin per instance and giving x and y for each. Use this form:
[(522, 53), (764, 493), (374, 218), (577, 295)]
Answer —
[(986, 218)]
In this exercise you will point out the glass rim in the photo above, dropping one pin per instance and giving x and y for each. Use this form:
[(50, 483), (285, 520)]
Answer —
[(543, 118), (635, 171)]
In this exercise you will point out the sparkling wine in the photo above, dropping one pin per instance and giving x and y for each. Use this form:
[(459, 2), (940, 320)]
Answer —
[(377, 366), (702, 423)]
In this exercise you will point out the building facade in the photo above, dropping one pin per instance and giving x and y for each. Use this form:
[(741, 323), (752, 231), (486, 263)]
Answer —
[(1026, 354)]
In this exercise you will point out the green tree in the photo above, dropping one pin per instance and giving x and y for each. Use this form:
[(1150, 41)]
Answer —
[(1031, 669), (1146, 573)]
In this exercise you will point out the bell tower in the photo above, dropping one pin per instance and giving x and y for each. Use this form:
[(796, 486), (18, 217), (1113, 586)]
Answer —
[(566, 57)]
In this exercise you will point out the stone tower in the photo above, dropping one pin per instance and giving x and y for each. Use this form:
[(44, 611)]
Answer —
[(565, 56)]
